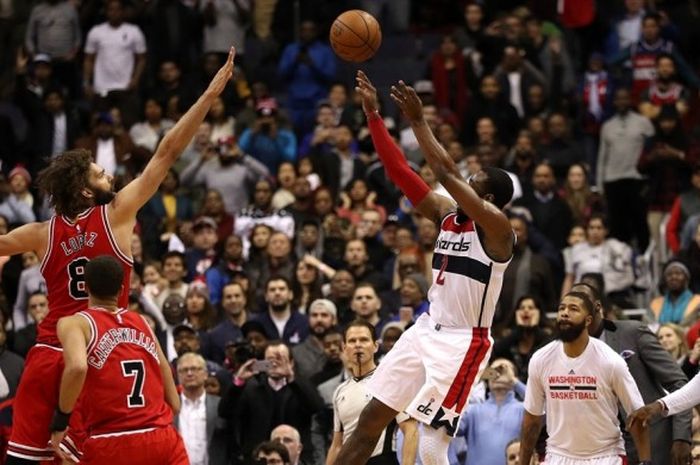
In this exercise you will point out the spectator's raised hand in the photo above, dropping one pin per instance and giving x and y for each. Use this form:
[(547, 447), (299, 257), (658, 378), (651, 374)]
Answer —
[(367, 92), (408, 101), (221, 78)]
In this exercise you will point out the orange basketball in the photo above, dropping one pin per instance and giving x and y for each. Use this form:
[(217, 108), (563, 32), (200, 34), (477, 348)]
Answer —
[(355, 36)]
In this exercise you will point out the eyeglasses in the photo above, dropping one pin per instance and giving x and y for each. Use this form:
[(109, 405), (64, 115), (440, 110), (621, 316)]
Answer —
[(189, 369)]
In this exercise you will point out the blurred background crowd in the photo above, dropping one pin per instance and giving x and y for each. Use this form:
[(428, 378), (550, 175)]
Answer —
[(278, 222)]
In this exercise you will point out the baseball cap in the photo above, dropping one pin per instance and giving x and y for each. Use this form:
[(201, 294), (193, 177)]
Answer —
[(253, 326), (424, 87), (204, 222), (266, 107), (179, 329), (42, 58), (104, 117), (391, 219)]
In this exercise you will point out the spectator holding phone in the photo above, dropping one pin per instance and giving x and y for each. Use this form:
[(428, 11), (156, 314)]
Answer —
[(266, 395)]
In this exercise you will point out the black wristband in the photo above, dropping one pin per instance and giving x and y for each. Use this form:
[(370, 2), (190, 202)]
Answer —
[(60, 420)]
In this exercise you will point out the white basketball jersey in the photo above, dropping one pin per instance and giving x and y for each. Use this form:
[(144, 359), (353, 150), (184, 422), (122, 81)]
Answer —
[(466, 281)]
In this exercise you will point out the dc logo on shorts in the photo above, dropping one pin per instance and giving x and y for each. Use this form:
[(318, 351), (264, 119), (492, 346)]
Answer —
[(425, 408)]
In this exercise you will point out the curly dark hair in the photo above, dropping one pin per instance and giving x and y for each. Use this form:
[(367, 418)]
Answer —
[(64, 180)]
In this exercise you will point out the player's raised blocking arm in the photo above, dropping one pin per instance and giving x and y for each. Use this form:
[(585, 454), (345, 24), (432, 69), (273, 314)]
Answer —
[(130, 199)]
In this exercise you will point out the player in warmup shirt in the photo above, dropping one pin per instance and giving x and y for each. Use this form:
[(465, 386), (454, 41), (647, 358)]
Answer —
[(91, 220), (113, 358), (577, 381), (434, 365)]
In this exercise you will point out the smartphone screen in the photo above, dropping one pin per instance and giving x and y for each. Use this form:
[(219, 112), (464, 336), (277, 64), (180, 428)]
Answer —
[(261, 366)]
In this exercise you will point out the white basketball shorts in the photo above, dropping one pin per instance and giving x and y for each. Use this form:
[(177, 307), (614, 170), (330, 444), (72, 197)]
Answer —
[(554, 459), (431, 370)]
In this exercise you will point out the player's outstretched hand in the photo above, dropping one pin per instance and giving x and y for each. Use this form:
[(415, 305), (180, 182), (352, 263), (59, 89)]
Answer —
[(368, 93), (219, 81), (644, 414), (408, 101)]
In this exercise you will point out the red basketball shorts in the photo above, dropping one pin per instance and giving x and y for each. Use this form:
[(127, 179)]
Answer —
[(35, 403), (159, 446)]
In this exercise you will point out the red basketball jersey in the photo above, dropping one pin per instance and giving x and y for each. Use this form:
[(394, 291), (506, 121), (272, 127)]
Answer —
[(123, 389), (71, 245)]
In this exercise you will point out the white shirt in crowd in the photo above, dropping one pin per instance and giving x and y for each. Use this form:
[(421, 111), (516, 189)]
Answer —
[(106, 157), (59, 134), (193, 429), (580, 398), (114, 50)]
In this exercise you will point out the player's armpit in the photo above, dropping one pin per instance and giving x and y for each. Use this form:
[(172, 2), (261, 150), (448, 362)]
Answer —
[(435, 207)]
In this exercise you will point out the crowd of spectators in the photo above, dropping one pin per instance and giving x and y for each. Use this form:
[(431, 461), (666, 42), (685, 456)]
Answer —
[(278, 226)]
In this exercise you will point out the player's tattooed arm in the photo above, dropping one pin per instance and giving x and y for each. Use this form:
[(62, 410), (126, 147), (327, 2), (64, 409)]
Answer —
[(532, 425)]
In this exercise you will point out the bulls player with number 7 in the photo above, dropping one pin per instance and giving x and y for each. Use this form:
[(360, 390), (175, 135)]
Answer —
[(111, 354), (435, 364), (90, 220)]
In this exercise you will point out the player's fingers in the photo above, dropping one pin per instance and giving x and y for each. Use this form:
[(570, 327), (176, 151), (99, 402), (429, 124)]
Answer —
[(396, 100)]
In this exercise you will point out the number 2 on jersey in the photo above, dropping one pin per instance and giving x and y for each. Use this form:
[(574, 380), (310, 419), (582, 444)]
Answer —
[(135, 369), (440, 280)]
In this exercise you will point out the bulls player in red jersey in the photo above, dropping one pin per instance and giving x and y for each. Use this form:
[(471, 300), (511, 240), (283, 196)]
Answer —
[(434, 365), (112, 357), (90, 220)]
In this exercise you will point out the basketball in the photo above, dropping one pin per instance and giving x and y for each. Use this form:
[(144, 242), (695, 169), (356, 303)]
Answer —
[(355, 36)]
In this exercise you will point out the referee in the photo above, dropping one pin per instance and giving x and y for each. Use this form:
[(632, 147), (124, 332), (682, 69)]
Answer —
[(351, 397)]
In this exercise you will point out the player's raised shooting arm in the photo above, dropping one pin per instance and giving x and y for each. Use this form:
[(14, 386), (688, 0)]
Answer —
[(532, 425), (428, 203), (24, 239), (486, 215), (74, 333), (134, 195)]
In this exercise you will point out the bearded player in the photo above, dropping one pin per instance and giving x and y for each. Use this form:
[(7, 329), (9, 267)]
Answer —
[(90, 220)]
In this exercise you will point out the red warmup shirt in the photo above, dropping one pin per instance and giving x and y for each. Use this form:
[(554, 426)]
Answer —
[(71, 246)]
